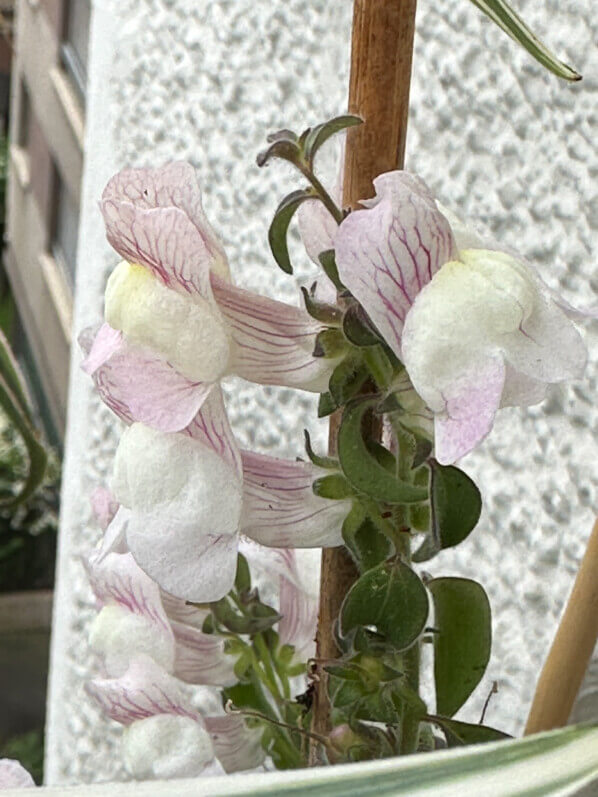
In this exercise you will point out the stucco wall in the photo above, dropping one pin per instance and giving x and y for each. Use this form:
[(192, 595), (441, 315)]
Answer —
[(498, 139)]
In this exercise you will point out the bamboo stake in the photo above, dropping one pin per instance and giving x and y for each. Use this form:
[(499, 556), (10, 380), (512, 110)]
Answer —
[(568, 658), (381, 56)]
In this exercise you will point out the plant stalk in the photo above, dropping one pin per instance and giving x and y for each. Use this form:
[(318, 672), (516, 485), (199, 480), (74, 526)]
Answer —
[(381, 56)]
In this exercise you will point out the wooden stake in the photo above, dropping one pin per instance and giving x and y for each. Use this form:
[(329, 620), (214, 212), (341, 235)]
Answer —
[(568, 658), (381, 56)]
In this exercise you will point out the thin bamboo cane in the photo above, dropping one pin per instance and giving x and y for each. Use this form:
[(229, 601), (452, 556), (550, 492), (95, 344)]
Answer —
[(568, 658)]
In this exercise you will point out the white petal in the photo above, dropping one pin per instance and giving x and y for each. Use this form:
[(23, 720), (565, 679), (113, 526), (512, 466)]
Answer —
[(280, 508), (13, 775), (119, 635), (189, 332), (176, 474), (187, 560), (236, 746), (317, 228), (388, 252), (273, 341), (145, 690), (103, 506), (165, 747)]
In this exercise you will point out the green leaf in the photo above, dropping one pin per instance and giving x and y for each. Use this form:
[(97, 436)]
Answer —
[(455, 504), (368, 545), (362, 469), (328, 262), (390, 597), (501, 13), (555, 764), (462, 733), (334, 486), (347, 379), (277, 234), (462, 643), (319, 134), (326, 405), (283, 147)]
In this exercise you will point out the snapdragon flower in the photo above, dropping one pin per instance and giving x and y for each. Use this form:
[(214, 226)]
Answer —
[(476, 328), (175, 324)]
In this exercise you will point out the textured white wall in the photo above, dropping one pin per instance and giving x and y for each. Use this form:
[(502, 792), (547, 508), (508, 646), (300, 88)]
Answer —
[(497, 138)]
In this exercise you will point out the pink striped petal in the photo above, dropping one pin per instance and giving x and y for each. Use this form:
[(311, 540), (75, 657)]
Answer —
[(13, 775), (298, 605), (118, 579), (317, 228), (274, 341), (389, 251), (144, 691), (200, 658), (140, 385), (154, 218), (280, 508), (212, 428), (236, 746)]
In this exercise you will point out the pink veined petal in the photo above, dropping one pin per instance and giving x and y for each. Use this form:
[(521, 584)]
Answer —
[(13, 775), (118, 579), (145, 690), (273, 341), (187, 561), (99, 347), (104, 506), (200, 658), (114, 539), (280, 508), (154, 217), (212, 428), (471, 404), (140, 385), (180, 611), (299, 609), (317, 228), (386, 253), (236, 746)]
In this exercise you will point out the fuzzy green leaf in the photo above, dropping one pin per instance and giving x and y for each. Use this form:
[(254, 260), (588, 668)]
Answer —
[(277, 234), (462, 640)]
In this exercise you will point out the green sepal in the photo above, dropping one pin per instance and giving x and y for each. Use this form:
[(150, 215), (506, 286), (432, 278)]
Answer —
[(455, 504), (390, 597), (328, 262), (347, 379), (321, 311), (329, 463), (368, 545), (243, 576), (277, 234), (259, 618), (462, 620), (379, 366), (357, 329), (458, 733), (326, 405), (330, 343), (334, 486), (362, 469), (207, 627), (316, 136)]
